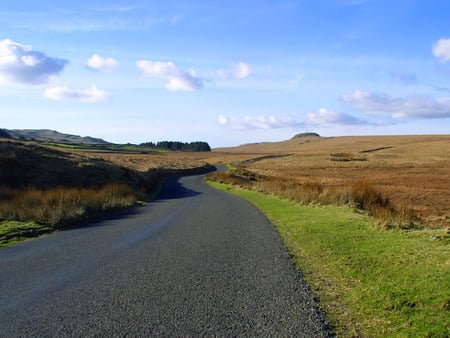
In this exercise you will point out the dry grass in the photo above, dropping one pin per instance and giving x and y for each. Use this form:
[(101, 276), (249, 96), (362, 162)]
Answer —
[(59, 188), (413, 172), (63, 206), (362, 196), (160, 161)]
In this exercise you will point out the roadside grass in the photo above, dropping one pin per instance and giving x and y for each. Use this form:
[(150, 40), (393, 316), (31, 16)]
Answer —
[(369, 282), (43, 189), (362, 195), (14, 231), (32, 212), (61, 205)]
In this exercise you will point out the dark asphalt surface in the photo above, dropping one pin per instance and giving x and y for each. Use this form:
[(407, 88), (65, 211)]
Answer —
[(194, 262)]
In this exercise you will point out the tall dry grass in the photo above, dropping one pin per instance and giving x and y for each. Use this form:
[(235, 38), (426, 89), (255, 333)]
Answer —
[(61, 205), (362, 196)]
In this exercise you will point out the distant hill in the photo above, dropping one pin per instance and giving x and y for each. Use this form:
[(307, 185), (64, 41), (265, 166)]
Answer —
[(47, 135), (306, 135), (311, 144), (4, 134)]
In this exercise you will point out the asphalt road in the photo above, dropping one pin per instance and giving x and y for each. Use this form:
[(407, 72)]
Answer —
[(194, 262)]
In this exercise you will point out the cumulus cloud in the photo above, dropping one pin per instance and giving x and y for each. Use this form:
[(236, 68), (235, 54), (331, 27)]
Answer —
[(92, 94), (441, 50), (96, 62), (321, 117), (240, 71), (175, 78), (20, 64), (400, 107)]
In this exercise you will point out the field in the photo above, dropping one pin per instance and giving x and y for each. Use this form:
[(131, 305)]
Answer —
[(47, 187), (412, 171)]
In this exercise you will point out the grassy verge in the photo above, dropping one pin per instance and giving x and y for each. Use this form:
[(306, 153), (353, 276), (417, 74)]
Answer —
[(370, 282), (33, 212), (362, 196), (14, 231)]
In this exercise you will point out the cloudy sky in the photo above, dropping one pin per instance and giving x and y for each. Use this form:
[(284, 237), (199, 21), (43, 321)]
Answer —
[(225, 72)]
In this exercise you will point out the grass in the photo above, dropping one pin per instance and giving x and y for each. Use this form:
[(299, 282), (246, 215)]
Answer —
[(369, 282), (33, 212), (62, 206), (107, 148), (412, 170), (362, 195), (43, 189), (14, 231)]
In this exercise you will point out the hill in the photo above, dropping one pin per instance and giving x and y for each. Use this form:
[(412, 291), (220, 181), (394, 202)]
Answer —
[(411, 170), (47, 135), (315, 144), (4, 134)]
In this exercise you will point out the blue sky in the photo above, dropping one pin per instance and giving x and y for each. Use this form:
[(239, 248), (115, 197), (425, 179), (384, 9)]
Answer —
[(225, 72)]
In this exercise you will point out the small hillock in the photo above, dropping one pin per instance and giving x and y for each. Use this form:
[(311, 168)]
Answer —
[(303, 135)]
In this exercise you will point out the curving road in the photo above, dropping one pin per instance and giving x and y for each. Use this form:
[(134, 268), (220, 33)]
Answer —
[(194, 262)]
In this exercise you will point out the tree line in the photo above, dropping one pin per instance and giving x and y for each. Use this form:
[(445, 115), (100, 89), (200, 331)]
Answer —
[(179, 146)]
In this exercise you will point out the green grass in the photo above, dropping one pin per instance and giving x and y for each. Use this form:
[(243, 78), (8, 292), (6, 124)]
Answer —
[(13, 231), (370, 282)]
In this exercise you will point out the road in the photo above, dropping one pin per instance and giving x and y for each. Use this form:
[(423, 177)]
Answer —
[(194, 262)]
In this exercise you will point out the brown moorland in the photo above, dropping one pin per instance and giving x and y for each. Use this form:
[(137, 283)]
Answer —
[(43, 188), (412, 171)]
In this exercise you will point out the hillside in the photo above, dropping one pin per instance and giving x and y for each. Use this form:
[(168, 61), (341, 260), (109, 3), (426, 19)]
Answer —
[(43, 189), (47, 135), (411, 170), (24, 165), (317, 144)]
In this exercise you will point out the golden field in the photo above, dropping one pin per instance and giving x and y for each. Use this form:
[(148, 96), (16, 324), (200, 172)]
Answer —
[(412, 171)]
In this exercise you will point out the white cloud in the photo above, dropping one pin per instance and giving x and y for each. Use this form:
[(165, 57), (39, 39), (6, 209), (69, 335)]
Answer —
[(258, 122), (223, 120), (96, 62), (240, 71), (92, 94), (326, 116), (400, 107), (269, 122), (441, 50), (321, 117), (175, 78), (20, 64)]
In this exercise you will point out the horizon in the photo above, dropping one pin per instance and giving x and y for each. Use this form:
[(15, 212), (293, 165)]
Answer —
[(141, 71), (236, 145)]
